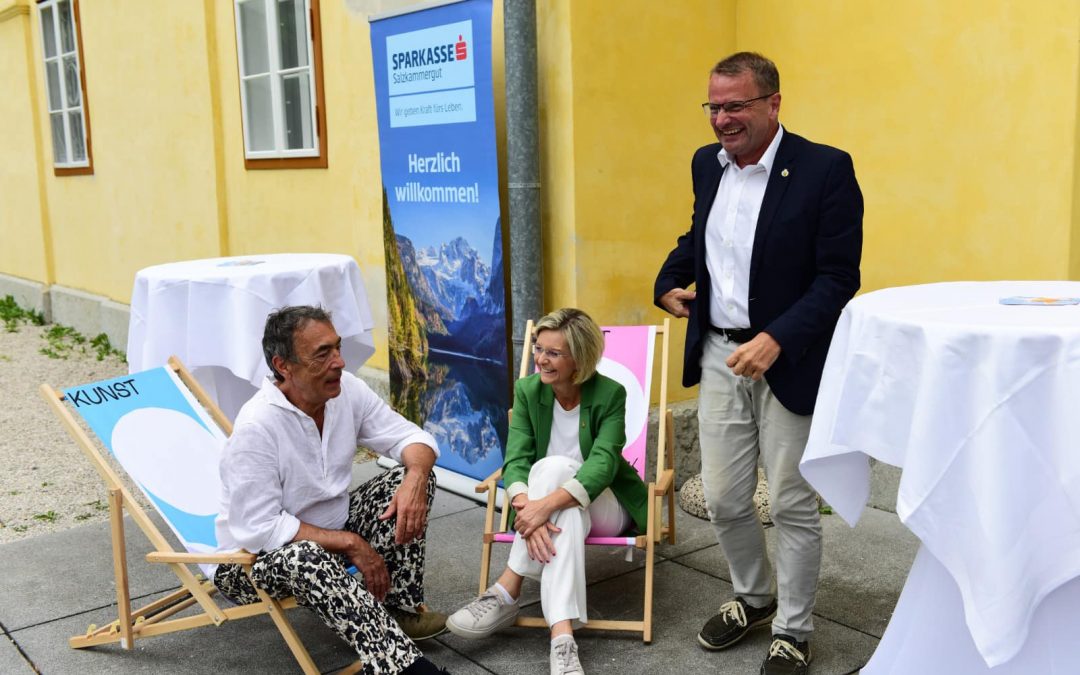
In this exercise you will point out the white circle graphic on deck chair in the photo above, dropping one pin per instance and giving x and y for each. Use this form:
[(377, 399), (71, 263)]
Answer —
[(171, 456), (637, 409)]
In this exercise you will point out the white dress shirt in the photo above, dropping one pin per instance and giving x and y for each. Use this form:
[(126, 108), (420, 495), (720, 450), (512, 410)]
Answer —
[(729, 235), (276, 469)]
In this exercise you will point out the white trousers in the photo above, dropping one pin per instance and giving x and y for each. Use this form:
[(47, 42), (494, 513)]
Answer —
[(562, 581), (738, 420)]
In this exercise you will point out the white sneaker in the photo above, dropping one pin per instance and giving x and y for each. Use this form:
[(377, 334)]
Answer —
[(482, 617), (564, 659)]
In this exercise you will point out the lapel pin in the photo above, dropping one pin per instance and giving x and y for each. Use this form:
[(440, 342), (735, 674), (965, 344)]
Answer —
[(784, 173)]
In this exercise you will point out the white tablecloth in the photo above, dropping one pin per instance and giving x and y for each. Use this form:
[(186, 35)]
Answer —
[(211, 314), (978, 403)]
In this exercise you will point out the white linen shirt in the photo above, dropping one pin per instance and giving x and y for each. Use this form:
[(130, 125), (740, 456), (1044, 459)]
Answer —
[(277, 471), (729, 235)]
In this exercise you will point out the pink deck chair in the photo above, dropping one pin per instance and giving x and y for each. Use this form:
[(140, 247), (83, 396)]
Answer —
[(636, 377)]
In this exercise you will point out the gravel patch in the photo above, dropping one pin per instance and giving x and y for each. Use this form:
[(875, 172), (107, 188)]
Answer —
[(46, 483)]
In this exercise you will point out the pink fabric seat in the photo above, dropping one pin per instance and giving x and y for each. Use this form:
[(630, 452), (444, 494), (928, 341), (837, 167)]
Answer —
[(620, 348)]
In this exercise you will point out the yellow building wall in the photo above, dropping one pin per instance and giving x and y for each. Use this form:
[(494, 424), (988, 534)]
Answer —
[(620, 117), (1074, 259), (337, 209), (21, 217), (960, 116), (150, 198)]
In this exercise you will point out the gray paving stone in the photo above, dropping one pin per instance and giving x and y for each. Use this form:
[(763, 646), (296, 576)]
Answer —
[(448, 503), (864, 569), (63, 573), (11, 661), (680, 610), (363, 472), (862, 573), (691, 534), (249, 645)]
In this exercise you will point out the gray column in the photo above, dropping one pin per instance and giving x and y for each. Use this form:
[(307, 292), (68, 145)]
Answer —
[(523, 169)]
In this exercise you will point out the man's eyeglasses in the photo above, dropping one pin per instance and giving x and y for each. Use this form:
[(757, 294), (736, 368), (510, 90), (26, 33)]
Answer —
[(550, 353), (731, 107)]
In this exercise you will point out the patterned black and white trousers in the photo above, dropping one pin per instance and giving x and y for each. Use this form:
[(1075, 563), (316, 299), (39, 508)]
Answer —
[(319, 581)]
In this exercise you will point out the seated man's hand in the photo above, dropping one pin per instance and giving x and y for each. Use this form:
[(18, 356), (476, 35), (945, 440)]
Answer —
[(410, 506), (371, 565)]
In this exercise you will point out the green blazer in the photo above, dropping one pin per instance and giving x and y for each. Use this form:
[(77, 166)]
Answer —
[(602, 437)]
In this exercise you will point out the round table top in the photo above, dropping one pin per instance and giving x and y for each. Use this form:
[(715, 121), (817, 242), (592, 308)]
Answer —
[(976, 305)]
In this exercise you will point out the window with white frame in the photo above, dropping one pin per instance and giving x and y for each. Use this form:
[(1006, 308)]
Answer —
[(66, 94), (279, 57)]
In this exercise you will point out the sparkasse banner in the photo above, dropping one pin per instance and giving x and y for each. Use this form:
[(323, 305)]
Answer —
[(442, 234)]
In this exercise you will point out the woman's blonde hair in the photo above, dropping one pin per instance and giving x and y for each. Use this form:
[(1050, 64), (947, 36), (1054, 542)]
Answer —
[(583, 337)]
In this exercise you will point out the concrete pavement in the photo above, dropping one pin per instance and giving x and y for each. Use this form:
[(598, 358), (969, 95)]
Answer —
[(55, 585)]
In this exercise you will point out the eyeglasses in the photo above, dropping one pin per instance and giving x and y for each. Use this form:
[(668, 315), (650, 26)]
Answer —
[(731, 107), (550, 353)]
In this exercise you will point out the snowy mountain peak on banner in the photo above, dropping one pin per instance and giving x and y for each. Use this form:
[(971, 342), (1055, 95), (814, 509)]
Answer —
[(454, 273)]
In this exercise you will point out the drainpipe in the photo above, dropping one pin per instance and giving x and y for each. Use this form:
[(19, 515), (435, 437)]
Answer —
[(523, 169)]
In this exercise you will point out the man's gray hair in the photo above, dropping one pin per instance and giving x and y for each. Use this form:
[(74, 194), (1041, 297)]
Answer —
[(763, 70), (279, 336)]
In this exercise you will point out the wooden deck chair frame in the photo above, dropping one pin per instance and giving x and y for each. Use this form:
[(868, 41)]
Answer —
[(155, 618), (663, 489)]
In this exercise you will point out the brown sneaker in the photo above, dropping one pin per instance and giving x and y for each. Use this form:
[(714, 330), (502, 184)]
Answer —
[(420, 623)]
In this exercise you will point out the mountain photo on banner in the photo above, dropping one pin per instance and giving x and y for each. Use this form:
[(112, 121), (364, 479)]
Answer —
[(448, 346)]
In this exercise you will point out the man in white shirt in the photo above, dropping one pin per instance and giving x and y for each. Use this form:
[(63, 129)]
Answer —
[(773, 253), (285, 475)]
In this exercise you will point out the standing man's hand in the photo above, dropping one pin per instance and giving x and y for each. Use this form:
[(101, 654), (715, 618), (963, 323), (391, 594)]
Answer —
[(409, 504), (677, 301), (753, 358), (371, 565)]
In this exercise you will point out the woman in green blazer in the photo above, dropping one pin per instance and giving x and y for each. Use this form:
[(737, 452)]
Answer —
[(566, 478)]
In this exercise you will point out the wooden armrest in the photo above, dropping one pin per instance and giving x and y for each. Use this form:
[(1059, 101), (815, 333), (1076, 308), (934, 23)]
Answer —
[(664, 486), (490, 482), (236, 558)]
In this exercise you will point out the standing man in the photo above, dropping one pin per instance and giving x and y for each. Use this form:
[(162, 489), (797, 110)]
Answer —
[(285, 475), (773, 251)]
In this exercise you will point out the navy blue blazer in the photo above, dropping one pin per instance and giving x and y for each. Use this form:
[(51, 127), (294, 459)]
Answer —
[(804, 266)]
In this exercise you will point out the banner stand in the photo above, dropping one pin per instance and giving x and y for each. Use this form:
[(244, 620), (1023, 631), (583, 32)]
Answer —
[(442, 232)]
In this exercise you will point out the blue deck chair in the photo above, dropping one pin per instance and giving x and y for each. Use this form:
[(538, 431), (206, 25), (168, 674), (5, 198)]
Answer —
[(167, 435)]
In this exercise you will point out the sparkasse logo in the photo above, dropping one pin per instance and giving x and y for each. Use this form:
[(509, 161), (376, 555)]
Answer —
[(431, 56)]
